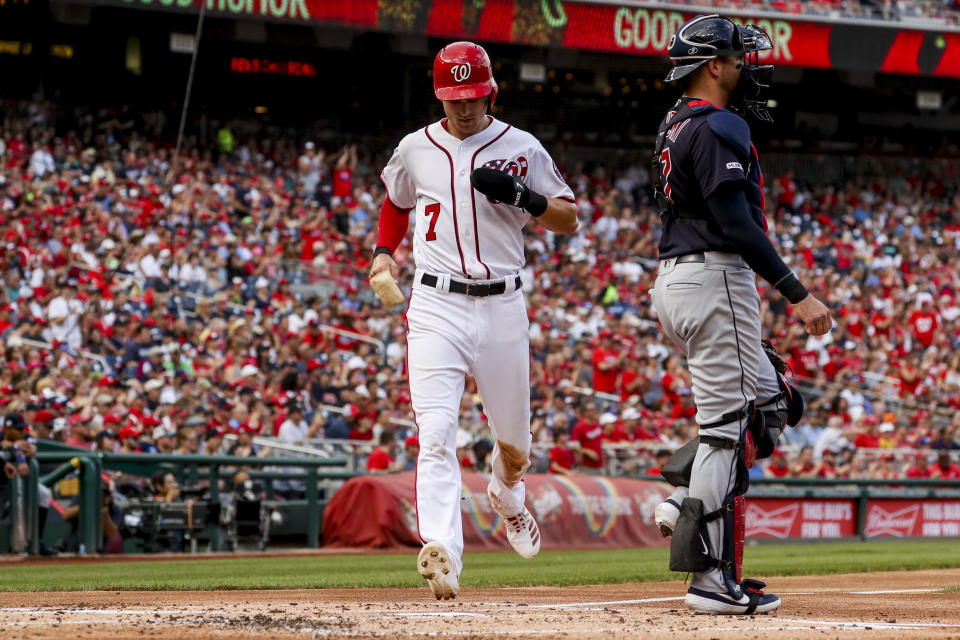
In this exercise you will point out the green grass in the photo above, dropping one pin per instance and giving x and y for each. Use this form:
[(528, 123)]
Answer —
[(481, 569)]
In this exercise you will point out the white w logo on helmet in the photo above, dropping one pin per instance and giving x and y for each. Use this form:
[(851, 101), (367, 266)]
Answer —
[(461, 71)]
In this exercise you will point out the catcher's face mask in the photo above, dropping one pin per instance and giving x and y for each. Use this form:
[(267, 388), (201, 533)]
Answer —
[(750, 96)]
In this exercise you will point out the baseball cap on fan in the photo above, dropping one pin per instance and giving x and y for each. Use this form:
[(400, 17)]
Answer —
[(106, 433), (14, 420), (163, 432), (43, 416)]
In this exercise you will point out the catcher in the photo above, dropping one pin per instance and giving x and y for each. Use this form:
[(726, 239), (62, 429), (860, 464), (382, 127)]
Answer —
[(713, 244)]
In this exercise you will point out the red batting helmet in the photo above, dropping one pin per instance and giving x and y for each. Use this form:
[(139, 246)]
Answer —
[(462, 71)]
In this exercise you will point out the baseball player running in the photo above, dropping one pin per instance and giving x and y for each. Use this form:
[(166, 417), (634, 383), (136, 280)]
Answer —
[(713, 243), (471, 182)]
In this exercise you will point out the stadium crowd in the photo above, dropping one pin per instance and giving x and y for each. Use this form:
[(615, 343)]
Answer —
[(152, 307)]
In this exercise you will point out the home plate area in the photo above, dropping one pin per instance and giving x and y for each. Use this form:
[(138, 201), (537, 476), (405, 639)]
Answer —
[(917, 604)]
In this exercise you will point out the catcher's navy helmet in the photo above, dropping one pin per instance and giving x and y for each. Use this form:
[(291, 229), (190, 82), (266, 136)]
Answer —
[(709, 36)]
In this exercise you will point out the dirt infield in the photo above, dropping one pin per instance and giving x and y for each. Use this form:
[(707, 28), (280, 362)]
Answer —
[(883, 605)]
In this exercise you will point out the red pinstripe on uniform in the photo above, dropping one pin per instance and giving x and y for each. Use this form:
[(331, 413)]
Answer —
[(453, 204), (473, 197), (406, 364)]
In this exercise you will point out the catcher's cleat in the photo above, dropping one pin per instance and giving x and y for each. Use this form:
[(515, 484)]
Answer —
[(665, 517), (523, 534), (435, 566), (718, 604)]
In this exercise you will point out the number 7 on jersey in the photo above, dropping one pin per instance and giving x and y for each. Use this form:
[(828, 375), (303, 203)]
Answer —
[(434, 211)]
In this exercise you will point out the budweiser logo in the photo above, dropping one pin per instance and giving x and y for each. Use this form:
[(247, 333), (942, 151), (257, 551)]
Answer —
[(899, 523), (547, 504), (776, 523)]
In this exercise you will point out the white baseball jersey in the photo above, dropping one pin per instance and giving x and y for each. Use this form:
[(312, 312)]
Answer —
[(460, 234), (459, 231)]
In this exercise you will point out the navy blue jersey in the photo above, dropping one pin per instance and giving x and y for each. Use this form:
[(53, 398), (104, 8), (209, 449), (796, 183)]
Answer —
[(700, 153)]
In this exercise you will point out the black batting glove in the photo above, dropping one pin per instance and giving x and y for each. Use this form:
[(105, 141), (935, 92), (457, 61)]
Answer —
[(503, 187)]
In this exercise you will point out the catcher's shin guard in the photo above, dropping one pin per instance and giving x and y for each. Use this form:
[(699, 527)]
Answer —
[(690, 543), (736, 584), (690, 547), (734, 532), (739, 531)]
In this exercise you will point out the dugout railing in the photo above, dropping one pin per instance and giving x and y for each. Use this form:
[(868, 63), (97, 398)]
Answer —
[(88, 468), (621, 459), (864, 497), (21, 534)]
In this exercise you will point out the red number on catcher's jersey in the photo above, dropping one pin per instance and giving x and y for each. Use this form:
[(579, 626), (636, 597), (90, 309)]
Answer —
[(432, 210), (667, 165)]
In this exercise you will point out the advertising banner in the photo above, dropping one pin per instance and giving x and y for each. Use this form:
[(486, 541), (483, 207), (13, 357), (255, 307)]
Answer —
[(806, 518), (573, 512), (631, 28), (598, 512), (836, 518), (902, 518)]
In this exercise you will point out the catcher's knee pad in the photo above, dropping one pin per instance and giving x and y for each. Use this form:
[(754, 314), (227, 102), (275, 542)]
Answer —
[(753, 435), (768, 442), (676, 470), (774, 418), (774, 412), (795, 403), (775, 415)]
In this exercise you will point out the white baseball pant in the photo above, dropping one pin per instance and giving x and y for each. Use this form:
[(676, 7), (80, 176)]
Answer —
[(451, 335)]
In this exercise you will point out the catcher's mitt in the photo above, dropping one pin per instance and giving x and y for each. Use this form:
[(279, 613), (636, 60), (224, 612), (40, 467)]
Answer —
[(775, 358)]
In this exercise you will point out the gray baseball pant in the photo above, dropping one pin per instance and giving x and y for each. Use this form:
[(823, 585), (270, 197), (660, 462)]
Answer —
[(711, 311)]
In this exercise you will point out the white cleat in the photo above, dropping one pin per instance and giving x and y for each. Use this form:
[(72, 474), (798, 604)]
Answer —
[(523, 534), (434, 565), (665, 517)]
